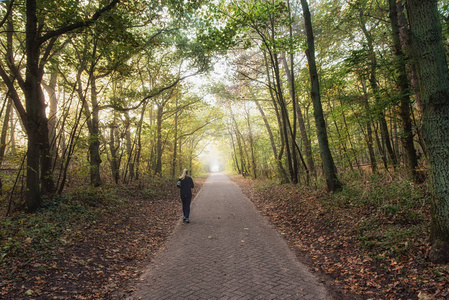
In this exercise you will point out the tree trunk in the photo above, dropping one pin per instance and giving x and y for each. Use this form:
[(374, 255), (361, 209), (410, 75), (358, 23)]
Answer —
[(380, 115), (285, 121), (39, 176), (369, 132), (175, 143), (270, 135), (52, 116), (94, 137), (4, 132), (129, 168), (333, 183), (115, 160), (251, 145), (139, 140), (302, 127), (282, 171), (407, 135), (430, 56), (158, 169)]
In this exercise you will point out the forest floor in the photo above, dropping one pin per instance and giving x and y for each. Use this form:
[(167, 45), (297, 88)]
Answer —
[(89, 244), (370, 241)]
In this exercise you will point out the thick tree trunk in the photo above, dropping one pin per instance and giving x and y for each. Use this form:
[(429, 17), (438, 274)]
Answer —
[(333, 183), (39, 171), (430, 56)]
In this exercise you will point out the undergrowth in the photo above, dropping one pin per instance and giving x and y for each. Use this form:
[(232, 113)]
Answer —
[(57, 222), (393, 214)]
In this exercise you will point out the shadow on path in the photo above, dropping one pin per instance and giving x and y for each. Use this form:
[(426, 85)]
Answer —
[(228, 251)]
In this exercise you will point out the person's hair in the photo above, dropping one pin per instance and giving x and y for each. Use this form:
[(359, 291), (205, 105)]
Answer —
[(184, 174)]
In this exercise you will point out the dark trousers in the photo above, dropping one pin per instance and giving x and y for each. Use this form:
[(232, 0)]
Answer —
[(186, 200)]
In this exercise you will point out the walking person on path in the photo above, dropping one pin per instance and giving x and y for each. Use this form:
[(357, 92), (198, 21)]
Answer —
[(186, 185)]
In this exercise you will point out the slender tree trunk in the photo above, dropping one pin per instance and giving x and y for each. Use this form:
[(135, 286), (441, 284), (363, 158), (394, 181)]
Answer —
[(12, 137), (281, 169), (341, 138), (139, 140), (407, 135), (251, 145), (115, 160), (369, 132), (175, 143), (333, 183), (283, 172), (94, 137), (405, 42), (52, 116), (234, 152), (292, 165), (380, 115), (3, 135), (430, 56), (302, 127), (129, 168), (158, 169)]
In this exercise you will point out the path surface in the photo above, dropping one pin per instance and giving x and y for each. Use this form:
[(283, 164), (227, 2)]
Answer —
[(228, 251)]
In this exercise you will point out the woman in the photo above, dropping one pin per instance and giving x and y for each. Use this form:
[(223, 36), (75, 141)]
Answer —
[(185, 183)]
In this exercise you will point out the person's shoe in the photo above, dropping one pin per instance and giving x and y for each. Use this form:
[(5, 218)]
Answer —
[(187, 221), (184, 219)]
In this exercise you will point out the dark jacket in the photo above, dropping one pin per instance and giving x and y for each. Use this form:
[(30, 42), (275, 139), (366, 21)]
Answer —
[(186, 186)]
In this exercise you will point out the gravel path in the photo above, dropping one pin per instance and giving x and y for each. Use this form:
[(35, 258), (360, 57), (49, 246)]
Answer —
[(228, 251)]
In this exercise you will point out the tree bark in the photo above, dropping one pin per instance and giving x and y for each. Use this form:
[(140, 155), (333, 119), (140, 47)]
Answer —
[(39, 171), (407, 135), (160, 112), (282, 171), (251, 145), (115, 159), (333, 183), (175, 142), (380, 114), (4, 132), (302, 127), (430, 56), (95, 136)]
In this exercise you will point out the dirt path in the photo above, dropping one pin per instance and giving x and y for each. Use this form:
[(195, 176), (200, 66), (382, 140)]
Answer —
[(228, 251)]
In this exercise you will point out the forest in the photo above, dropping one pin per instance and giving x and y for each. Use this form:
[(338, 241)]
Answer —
[(329, 114)]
